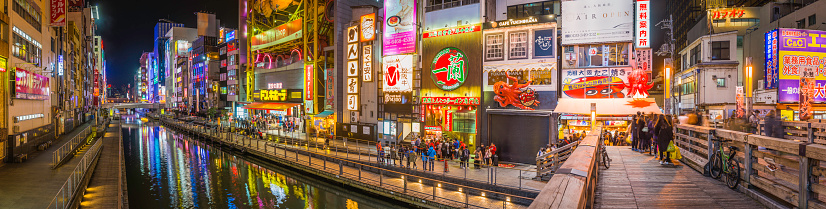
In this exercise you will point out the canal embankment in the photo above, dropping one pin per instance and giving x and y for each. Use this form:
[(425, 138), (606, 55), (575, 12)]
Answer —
[(407, 187)]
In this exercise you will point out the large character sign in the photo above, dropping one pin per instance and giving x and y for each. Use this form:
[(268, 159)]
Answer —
[(449, 69)]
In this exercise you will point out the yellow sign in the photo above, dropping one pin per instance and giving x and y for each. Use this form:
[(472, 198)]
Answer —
[(273, 95)]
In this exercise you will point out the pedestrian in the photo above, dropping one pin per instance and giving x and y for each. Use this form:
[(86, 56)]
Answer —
[(664, 128), (431, 153), (411, 158), (424, 159), (465, 157), (393, 155), (493, 157), (487, 156), (478, 157), (387, 155), (379, 152)]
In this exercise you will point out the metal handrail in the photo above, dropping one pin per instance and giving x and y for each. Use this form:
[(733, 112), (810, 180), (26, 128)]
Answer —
[(64, 197), (69, 147), (235, 140)]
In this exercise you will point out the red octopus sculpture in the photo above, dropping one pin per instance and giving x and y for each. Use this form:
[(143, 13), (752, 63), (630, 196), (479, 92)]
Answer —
[(512, 94), (638, 84)]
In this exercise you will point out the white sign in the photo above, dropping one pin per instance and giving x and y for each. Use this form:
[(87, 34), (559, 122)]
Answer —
[(352, 34), (415, 126), (642, 24), (352, 85), (352, 68), (367, 63), (597, 21), (352, 51), (398, 73), (352, 102), (27, 117), (275, 85)]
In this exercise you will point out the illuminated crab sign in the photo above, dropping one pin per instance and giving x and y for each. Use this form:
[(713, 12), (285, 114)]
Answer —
[(449, 69)]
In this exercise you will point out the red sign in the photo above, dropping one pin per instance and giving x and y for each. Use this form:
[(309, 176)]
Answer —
[(728, 13), (448, 121), (308, 82), (449, 69), (29, 85), (451, 100), (452, 31), (58, 11), (282, 33)]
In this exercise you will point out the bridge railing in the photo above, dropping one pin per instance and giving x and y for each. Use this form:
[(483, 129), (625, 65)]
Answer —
[(549, 162), (64, 151), (67, 196), (574, 183), (789, 170)]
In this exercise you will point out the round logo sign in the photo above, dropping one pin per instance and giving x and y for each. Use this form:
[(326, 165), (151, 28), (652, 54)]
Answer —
[(449, 69)]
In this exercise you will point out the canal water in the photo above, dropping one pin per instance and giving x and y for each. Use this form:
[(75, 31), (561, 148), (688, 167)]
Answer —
[(166, 169)]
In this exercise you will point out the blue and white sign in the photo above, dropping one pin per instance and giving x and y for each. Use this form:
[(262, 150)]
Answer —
[(543, 43), (230, 36), (60, 65)]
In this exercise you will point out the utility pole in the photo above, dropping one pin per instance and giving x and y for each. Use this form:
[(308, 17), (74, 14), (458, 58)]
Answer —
[(667, 49)]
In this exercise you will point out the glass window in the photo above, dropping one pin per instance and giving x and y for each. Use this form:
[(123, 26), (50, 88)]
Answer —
[(801, 23), (812, 19), (530, 9), (518, 45), (721, 82), (494, 47), (720, 50), (695, 55)]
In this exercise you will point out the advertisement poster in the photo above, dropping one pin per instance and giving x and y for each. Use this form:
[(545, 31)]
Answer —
[(280, 34), (597, 21), (449, 69), (771, 73), (58, 13), (399, 27), (740, 99), (398, 73), (368, 27), (29, 85), (801, 50), (543, 43), (595, 83)]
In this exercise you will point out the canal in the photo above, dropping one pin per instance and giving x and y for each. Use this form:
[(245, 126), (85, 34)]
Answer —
[(165, 169)]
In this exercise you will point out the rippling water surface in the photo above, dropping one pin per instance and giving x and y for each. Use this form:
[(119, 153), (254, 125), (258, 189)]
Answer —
[(168, 170)]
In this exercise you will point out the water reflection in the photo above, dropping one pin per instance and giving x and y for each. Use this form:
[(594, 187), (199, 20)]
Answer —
[(169, 170)]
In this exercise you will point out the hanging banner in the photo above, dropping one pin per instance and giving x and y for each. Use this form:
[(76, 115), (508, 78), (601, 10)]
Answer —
[(58, 13), (807, 92), (399, 27), (740, 99), (308, 82)]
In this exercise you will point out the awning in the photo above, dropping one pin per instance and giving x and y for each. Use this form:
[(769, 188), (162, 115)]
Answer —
[(617, 106), (270, 106), (323, 114)]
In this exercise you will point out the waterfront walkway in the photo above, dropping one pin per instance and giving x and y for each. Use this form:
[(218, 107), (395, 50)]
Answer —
[(352, 171), (103, 190), (33, 184), (636, 180)]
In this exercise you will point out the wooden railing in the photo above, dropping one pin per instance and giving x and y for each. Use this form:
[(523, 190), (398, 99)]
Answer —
[(574, 183), (787, 169), (549, 162)]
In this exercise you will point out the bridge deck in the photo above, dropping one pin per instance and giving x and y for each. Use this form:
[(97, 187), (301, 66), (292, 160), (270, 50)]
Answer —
[(637, 181)]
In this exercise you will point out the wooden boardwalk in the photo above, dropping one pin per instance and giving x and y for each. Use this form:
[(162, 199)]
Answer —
[(103, 190), (636, 180)]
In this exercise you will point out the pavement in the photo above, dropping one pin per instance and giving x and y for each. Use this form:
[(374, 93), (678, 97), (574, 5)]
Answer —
[(102, 190), (33, 184)]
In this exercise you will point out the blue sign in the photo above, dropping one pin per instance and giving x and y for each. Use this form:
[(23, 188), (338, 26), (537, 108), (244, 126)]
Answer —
[(230, 36), (59, 65), (772, 71), (543, 43)]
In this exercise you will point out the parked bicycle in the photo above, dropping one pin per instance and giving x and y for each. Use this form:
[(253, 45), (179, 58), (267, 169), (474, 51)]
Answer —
[(606, 161), (723, 164)]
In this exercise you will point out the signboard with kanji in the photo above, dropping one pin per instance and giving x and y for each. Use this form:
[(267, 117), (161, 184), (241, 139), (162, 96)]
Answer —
[(642, 36), (57, 10)]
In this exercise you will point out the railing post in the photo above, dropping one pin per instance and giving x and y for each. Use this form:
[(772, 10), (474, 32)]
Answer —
[(381, 177), (749, 155), (805, 171), (710, 145)]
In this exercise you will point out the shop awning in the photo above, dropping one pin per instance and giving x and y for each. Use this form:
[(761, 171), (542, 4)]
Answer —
[(323, 114), (270, 106), (616, 106)]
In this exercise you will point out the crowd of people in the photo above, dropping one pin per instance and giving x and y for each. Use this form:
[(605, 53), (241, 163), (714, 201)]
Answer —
[(432, 151), (653, 134)]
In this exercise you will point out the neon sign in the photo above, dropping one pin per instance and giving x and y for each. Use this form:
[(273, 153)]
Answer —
[(453, 31), (449, 69), (451, 100)]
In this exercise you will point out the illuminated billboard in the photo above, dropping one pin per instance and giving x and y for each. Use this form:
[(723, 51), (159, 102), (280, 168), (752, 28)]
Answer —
[(597, 21), (399, 27), (28, 85), (799, 51)]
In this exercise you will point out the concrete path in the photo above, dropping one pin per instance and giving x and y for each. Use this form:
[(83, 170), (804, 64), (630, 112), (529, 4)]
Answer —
[(33, 184), (636, 180), (103, 190)]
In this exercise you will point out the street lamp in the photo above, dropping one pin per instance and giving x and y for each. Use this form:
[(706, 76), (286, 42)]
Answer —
[(748, 83), (667, 75)]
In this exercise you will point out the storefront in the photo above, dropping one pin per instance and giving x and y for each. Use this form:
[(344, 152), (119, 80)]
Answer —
[(451, 83), (793, 49), (519, 86)]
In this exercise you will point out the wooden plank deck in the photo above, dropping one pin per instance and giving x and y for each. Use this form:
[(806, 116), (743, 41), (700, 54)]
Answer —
[(636, 180)]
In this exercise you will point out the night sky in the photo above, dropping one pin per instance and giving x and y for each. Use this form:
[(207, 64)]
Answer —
[(127, 28)]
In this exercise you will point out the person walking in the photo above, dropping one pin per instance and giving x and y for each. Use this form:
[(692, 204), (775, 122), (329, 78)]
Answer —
[(465, 157), (633, 131), (411, 158), (664, 129), (478, 157), (431, 153), (424, 159), (493, 157), (771, 122), (379, 152)]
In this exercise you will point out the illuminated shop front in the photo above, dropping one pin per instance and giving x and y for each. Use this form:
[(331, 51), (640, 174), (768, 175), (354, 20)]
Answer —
[(451, 83), (519, 85)]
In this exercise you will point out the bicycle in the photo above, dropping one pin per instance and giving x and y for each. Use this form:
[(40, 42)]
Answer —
[(606, 161), (722, 163)]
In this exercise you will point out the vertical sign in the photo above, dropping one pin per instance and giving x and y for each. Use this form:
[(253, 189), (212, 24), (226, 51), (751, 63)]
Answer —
[(368, 27), (807, 92), (740, 98), (367, 63), (352, 103), (329, 93), (399, 27), (58, 13), (771, 60), (308, 82), (641, 38)]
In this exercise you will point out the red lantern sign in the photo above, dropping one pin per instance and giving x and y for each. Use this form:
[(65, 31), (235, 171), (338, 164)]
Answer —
[(449, 69)]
